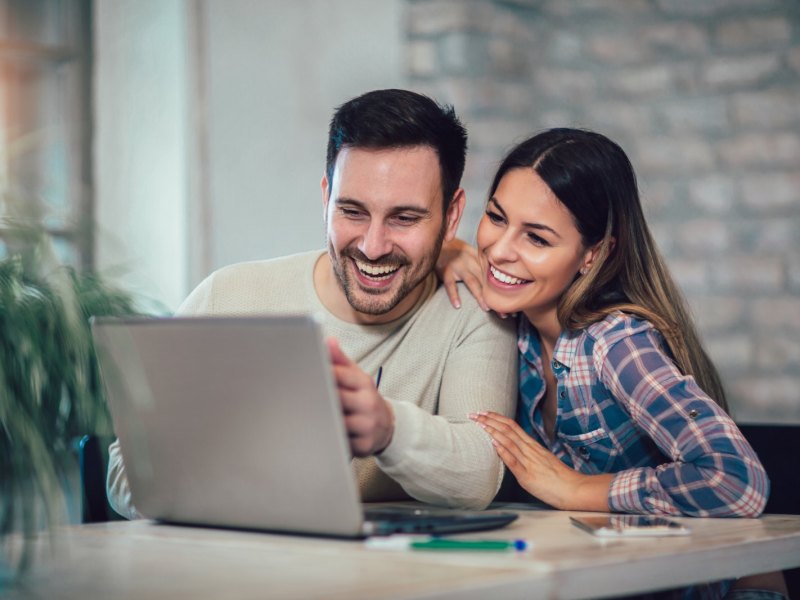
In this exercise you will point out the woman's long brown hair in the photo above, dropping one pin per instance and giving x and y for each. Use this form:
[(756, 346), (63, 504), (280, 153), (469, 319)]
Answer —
[(593, 178)]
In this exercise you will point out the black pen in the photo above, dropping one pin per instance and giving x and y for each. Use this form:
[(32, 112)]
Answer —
[(378, 377)]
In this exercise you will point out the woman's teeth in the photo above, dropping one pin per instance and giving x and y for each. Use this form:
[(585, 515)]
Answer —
[(502, 277)]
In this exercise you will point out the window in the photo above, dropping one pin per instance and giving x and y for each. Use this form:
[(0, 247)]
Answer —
[(45, 123)]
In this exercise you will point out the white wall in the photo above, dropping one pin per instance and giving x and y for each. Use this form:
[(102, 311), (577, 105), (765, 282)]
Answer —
[(140, 152), (211, 126)]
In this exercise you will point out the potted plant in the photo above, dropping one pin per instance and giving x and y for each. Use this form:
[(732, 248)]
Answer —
[(50, 389)]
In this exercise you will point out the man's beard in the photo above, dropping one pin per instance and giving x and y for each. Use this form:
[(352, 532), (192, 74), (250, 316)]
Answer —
[(375, 302)]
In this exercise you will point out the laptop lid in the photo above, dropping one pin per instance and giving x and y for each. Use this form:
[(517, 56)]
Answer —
[(235, 422)]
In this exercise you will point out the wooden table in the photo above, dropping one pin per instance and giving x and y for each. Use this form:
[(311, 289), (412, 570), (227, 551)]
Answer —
[(142, 559)]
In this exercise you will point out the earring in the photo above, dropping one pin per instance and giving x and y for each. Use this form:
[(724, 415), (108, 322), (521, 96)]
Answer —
[(584, 270)]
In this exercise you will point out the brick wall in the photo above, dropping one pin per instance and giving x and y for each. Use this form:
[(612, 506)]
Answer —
[(704, 95)]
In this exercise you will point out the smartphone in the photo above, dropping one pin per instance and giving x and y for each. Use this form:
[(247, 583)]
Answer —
[(629, 526)]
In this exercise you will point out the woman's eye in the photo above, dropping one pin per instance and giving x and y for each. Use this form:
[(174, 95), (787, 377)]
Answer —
[(537, 240), (494, 217)]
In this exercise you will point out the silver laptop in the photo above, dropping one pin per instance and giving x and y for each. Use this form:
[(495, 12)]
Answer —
[(234, 422)]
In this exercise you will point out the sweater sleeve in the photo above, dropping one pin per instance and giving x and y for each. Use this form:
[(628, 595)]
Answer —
[(445, 458), (710, 471)]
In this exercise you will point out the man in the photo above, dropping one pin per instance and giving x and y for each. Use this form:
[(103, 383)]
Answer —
[(391, 197)]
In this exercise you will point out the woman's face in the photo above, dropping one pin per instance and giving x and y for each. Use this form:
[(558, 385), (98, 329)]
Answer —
[(529, 247)]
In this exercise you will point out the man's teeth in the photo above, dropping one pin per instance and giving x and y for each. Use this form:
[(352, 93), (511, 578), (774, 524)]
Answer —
[(380, 271), (500, 276)]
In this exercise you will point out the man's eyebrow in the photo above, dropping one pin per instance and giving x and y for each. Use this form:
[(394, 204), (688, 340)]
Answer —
[(536, 226)]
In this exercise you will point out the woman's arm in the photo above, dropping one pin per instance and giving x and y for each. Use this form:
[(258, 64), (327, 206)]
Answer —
[(540, 472), (711, 470), (458, 261)]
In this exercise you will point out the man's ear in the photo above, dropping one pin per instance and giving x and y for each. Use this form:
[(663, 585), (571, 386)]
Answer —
[(326, 193), (454, 213)]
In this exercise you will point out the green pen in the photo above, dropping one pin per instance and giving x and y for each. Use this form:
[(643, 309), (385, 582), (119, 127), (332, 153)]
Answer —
[(447, 544)]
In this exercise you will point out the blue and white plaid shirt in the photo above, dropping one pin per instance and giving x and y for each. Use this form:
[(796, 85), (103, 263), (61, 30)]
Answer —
[(624, 408)]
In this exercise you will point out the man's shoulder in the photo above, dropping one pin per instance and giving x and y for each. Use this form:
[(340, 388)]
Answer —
[(254, 287), (470, 316), (290, 264)]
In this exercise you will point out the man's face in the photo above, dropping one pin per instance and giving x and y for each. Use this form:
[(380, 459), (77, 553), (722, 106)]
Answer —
[(385, 226)]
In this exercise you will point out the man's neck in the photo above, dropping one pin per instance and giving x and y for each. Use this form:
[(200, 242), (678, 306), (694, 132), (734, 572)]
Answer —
[(332, 296)]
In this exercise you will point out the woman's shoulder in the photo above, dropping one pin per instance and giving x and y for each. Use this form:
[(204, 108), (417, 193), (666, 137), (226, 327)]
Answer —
[(618, 325)]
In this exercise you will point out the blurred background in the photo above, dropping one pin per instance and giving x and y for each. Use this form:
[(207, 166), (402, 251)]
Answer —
[(157, 140)]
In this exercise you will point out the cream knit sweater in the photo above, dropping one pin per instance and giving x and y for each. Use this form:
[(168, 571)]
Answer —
[(439, 365)]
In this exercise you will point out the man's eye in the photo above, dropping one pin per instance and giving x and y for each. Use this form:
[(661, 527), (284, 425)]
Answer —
[(406, 219), (351, 213)]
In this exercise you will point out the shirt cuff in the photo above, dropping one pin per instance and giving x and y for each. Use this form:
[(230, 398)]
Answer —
[(626, 492)]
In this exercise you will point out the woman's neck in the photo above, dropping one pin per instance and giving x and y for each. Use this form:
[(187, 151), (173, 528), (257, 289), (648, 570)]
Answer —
[(548, 327)]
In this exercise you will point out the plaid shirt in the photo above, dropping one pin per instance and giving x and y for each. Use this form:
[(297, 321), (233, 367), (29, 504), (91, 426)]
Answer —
[(624, 408)]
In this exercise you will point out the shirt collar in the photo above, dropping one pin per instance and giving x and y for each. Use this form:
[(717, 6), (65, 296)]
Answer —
[(530, 347)]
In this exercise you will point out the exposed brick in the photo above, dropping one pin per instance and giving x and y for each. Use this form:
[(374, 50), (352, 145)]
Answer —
[(695, 8), (769, 236), (441, 16), (497, 133), (767, 109), (757, 274), (775, 314), (714, 194), (690, 274), (718, 313), (679, 38), (695, 115), (461, 54), (569, 84), (772, 192), (704, 237), (422, 58), (769, 150), (730, 352), (663, 154), (793, 271), (753, 32), (765, 399), (563, 46), (646, 44), (740, 71), (644, 81), (658, 198), (613, 48), (778, 353), (602, 8), (793, 58), (506, 57), (630, 116)]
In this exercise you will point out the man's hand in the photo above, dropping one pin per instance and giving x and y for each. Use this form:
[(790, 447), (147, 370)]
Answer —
[(369, 418)]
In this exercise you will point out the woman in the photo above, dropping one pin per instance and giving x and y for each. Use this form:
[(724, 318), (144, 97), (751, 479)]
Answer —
[(620, 409)]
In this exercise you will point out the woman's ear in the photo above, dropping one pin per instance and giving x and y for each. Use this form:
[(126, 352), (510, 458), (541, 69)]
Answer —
[(594, 252)]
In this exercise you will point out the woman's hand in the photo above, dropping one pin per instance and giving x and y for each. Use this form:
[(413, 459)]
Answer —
[(458, 261), (539, 471)]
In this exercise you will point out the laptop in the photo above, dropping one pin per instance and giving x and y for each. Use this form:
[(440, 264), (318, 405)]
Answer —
[(235, 422)]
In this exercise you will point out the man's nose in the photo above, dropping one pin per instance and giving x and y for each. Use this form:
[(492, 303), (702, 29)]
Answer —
[(375, 242)]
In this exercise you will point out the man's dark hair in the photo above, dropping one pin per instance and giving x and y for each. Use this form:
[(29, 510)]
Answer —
[(399, 119)]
